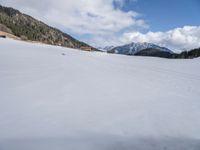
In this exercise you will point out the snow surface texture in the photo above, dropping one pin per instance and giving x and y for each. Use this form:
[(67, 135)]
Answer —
[(54, 98)]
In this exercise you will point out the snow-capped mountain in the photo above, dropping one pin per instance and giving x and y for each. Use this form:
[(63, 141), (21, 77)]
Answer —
[(132, 48), (107, 48)]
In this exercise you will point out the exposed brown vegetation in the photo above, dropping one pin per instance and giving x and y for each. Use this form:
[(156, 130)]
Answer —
[(4, 34)]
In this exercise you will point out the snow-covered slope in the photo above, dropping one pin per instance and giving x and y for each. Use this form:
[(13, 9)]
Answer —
[(132, 48), (53, 98)]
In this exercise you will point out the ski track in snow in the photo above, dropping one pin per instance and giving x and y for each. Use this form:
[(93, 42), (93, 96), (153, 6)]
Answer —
[(91, 100)]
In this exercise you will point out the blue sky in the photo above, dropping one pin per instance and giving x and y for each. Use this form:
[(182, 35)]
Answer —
[(163, 15), (171, 23)]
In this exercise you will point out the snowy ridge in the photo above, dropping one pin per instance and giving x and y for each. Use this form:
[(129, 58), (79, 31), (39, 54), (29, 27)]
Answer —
[(53, 98)]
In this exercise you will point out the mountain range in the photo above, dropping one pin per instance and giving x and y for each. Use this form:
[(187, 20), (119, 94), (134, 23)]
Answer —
[(150, 49)]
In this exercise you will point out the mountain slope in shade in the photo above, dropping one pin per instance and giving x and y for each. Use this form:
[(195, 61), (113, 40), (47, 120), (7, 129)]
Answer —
[(164, 54), (154, 53), (132, 48), (27, 28), (194, 53)]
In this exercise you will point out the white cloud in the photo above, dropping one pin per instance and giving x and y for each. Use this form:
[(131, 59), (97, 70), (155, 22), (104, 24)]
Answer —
[(120, 3), (80, 16), (187, 37)]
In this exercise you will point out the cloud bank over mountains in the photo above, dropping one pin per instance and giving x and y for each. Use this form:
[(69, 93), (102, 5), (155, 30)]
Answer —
[(187, 37), (103, 22)]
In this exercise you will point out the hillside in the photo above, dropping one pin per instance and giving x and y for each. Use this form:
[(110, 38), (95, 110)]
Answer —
[(164, 54), (54, 98), (153, 52), (27, 28), (188, 54)]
